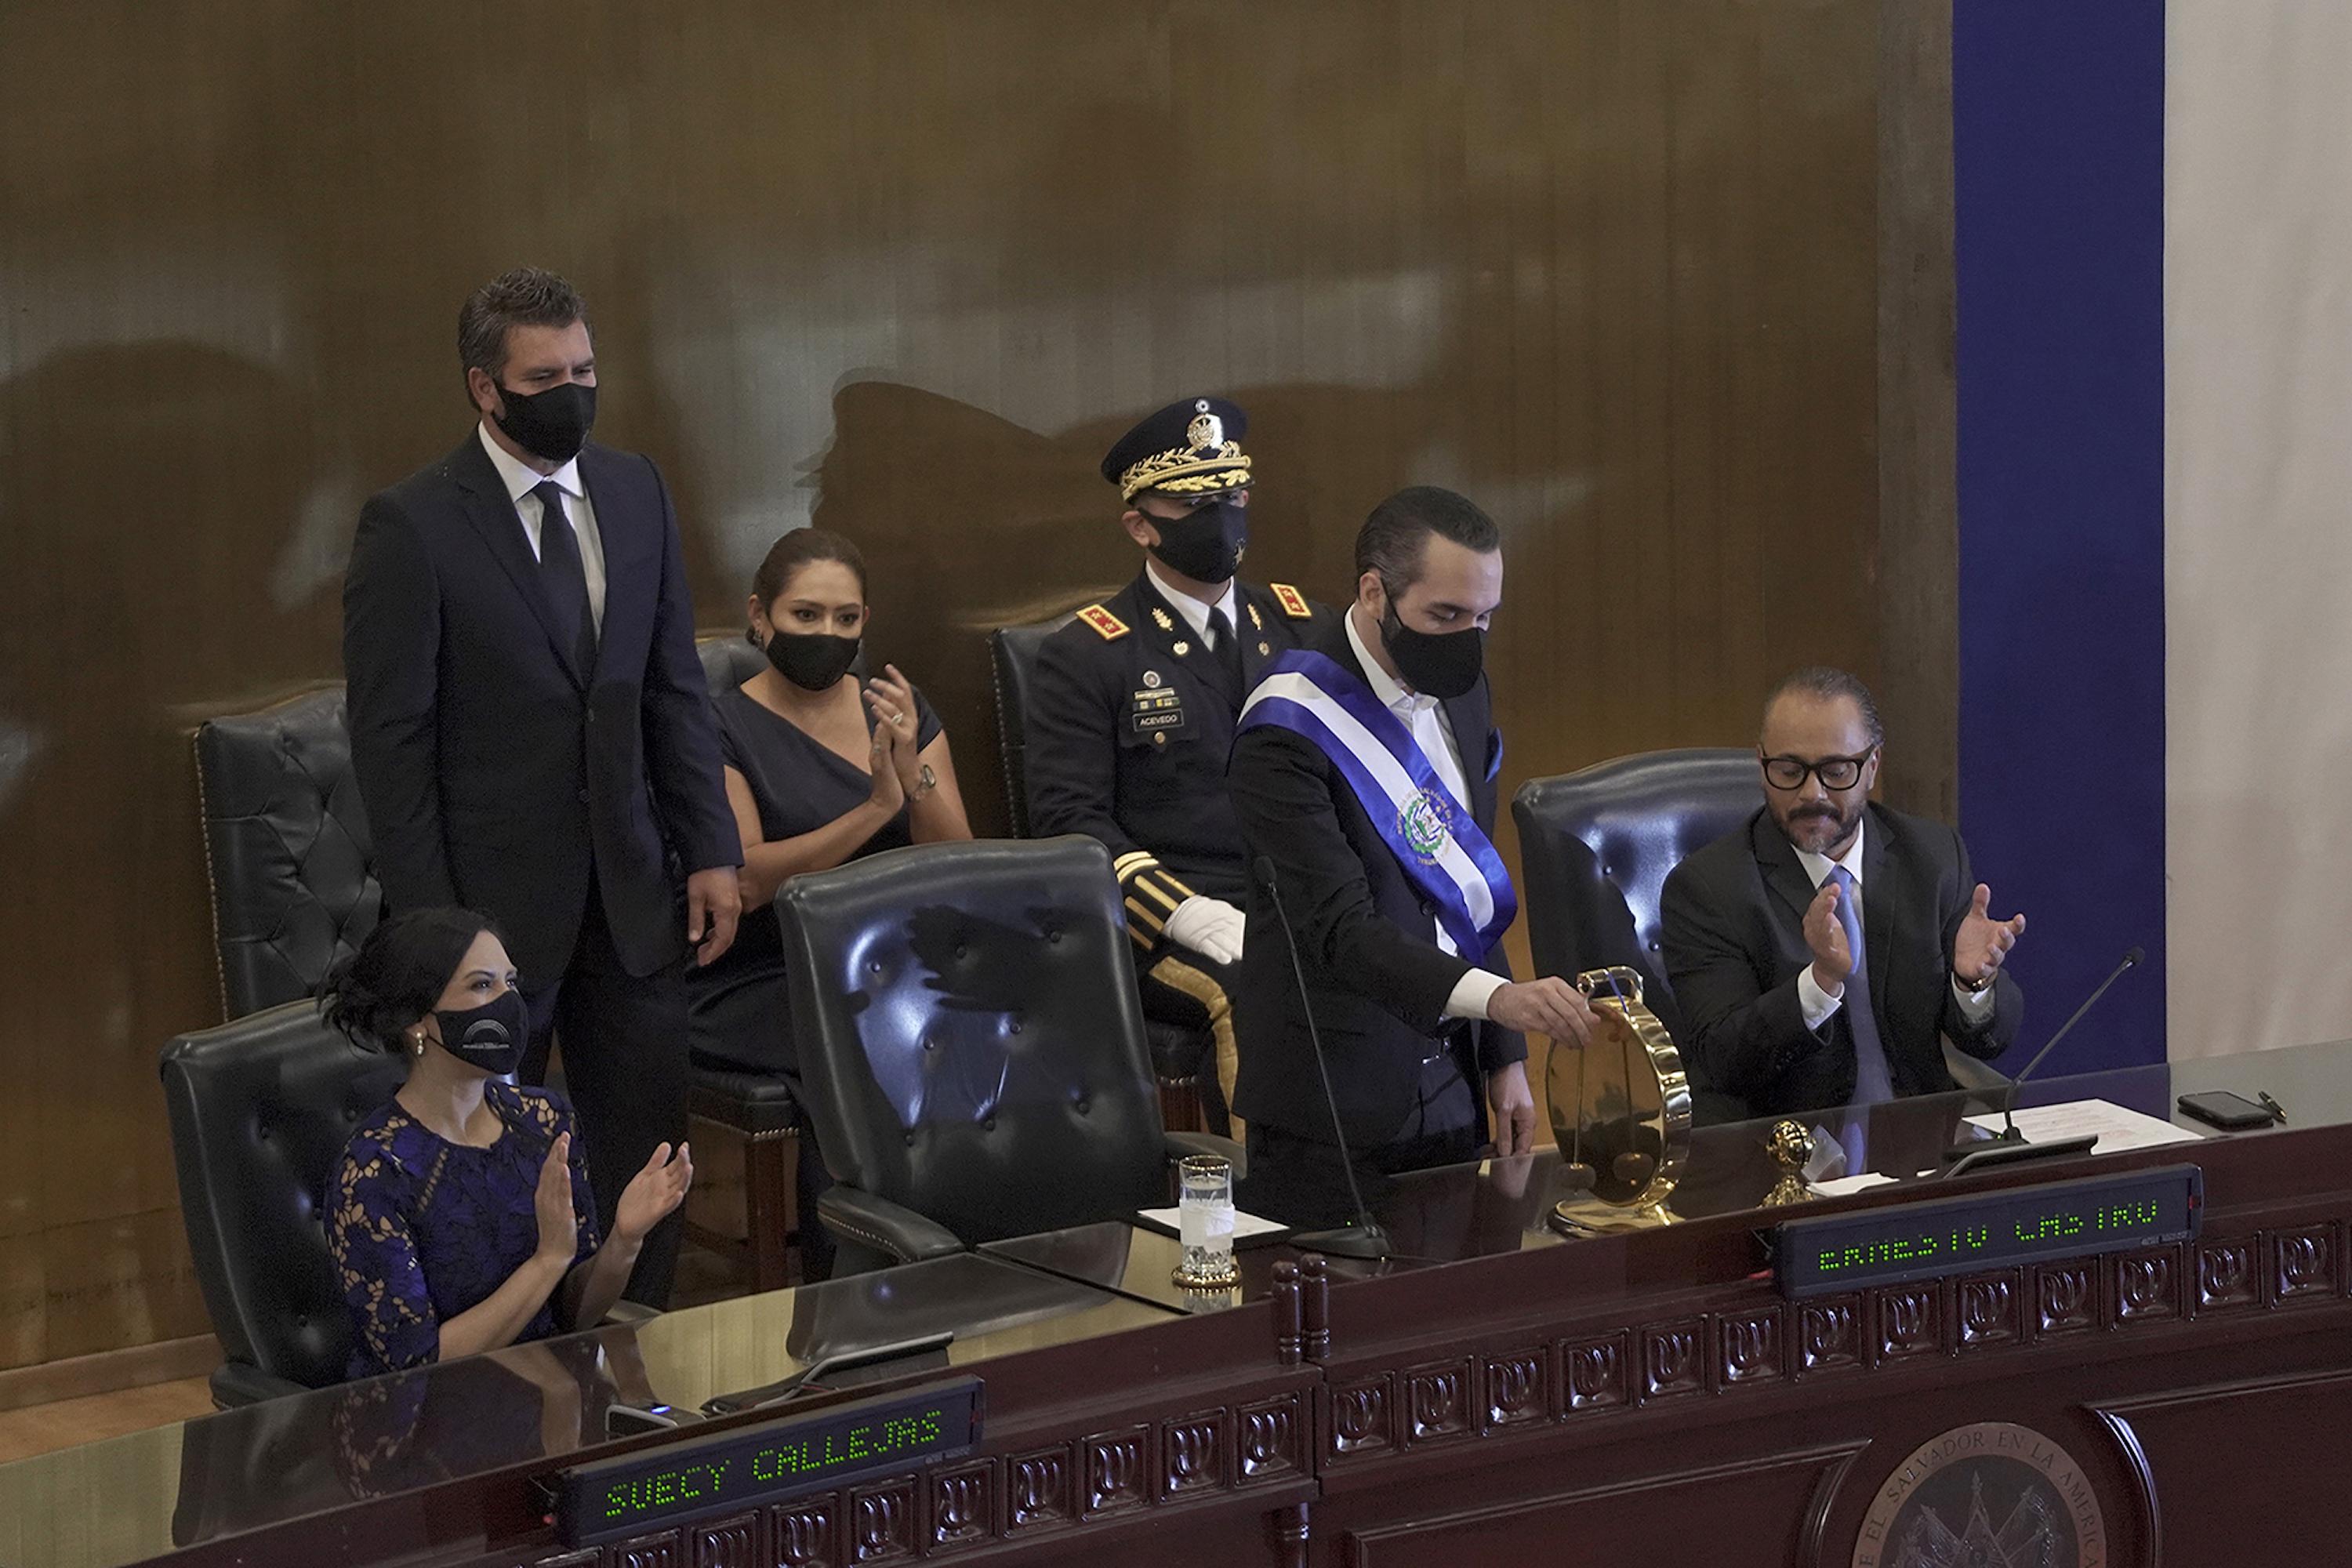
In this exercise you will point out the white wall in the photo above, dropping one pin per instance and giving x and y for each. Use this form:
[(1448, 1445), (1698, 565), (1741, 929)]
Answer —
[(2258, 522)]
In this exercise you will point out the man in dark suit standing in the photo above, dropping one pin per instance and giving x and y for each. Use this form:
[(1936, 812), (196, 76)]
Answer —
[(531, 729), (1365, 775), (1799, 998)]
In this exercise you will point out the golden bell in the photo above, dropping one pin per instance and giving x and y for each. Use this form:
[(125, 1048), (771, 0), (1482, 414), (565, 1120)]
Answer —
[(1620, 1112)]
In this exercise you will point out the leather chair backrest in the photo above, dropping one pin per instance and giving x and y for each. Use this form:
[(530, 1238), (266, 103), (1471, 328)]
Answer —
[(1596, 845), (1012, 660), (727, 661), (260, 1110), (287, 847), (970, 1037)]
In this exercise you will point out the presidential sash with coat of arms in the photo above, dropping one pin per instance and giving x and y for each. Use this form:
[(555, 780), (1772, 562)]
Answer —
[(1435, 838)]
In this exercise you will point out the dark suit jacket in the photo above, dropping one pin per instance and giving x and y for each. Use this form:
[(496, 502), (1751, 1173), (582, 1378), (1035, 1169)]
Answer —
[(1366, 935), (496, 775), (1734, 915)]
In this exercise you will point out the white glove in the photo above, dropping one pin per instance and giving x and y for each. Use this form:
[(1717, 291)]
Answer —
[(1210, 927)]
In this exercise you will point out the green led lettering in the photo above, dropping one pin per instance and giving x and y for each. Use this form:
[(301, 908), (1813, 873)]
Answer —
[(855, 1442), (930, 1425), (664, 1487), (618, 1502)]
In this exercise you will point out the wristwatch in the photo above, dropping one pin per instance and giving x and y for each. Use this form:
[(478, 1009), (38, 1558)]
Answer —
[(1976, 987), (926, 782)]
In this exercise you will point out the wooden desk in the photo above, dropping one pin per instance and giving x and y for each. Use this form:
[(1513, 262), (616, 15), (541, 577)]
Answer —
[(1517, 1398)]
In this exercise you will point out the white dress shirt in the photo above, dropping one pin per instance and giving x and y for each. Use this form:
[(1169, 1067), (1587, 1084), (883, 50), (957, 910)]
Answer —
[(1818, 1005), (521, 480), (1196, 611), (1425, 718)]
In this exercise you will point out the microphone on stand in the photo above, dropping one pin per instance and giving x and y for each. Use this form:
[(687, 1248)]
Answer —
[(2009, 1143), (1363, 1236)]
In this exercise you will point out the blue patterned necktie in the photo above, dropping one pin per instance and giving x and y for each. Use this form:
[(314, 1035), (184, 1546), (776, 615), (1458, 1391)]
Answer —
[(1871, 1084)]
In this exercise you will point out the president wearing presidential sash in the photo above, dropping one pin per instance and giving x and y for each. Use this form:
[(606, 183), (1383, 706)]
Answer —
[(1364, 776)]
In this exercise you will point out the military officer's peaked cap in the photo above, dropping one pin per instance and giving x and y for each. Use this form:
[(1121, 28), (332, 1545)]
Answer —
[(1191, 447)]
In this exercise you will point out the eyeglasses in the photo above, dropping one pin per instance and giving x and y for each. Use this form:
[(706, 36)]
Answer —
[(1835, 773)]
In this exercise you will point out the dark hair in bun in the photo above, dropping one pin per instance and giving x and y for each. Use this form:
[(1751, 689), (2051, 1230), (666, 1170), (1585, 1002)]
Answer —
[(398, 973)]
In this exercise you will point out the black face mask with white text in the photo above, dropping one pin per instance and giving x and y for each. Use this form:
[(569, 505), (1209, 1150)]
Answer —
[(489, 1036)]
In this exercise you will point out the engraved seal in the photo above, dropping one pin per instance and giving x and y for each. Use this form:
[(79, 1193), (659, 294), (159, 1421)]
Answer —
[(1992, 1493)]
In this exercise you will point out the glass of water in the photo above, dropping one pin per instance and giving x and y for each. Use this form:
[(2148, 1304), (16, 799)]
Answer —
[(1205, 1218)]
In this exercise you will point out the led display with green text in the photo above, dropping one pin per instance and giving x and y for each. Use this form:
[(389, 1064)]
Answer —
[(686, 1478), (1899, 1242)]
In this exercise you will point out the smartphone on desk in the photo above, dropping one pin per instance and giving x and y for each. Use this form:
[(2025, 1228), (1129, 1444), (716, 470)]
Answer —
[(2230, 1112)]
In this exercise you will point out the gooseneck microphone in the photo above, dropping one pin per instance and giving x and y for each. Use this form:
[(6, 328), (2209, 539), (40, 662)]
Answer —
[(1363, 1236), (2009, 1142), (2009, 1129)]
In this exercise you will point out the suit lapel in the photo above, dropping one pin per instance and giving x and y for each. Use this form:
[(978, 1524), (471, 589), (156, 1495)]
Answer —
[(1783, 873), (492, 512), (1470, 717), (1882, 897)]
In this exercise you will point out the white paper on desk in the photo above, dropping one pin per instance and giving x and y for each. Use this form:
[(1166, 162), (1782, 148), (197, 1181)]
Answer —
[(1838, 1187), (1245, 1225), (2116, 1128)]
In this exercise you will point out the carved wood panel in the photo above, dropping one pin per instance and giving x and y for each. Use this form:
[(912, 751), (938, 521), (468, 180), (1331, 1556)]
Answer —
[(1749, 1348), (2302, 1265), (1040, 1489), (1117, 1467), (1593, 1373), (1272, 1441), (1192, 1451), (1518, 1387), (1988, 1308), (1438, 1403), (2067, 1296), (1674, 1359), (882, 1521), (660, 1551), (963, 1505), (806, 1533), (1828, 1335), (732, 1542), (2148, 1286), (2226, 1276), (1360, 1417)]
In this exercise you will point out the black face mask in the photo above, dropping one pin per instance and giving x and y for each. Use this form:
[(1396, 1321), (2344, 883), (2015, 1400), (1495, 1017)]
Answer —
[(489, 1036), (813, 660), (1207, 543), (1443, 665), (553, 423)]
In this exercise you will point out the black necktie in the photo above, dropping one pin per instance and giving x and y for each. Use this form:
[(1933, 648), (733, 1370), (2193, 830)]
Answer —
[(563, 577), (1228, 650)]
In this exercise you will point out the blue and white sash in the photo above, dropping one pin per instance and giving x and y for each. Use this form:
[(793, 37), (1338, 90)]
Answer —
[(1434, 838)]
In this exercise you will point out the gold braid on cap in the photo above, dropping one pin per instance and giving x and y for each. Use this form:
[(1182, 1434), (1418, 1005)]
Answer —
[(1183, 471)]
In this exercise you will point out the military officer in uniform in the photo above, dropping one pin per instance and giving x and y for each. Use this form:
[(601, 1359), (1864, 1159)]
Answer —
[(1132, 710)]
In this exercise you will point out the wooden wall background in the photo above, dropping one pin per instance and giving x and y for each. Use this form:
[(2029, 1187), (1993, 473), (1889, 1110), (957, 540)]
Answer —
[(1656, 283)]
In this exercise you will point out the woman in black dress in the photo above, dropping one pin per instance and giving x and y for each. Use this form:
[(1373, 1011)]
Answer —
[(822, 769)]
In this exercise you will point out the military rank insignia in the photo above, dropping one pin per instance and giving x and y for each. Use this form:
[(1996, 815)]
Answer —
[(1111, 627), (1293, 602)]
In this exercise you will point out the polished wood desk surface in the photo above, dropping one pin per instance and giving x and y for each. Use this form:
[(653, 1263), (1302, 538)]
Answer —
[(1498, 1207), (134, 1497), (224, 1476)]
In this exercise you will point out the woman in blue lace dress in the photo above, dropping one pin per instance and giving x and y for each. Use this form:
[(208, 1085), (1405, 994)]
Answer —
[(460, 1218)]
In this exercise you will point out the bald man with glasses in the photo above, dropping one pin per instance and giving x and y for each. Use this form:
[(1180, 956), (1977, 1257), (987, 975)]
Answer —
[(1822, 951)]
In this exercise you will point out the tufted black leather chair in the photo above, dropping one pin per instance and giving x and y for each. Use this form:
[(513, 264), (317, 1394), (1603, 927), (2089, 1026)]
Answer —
[(973, 1046), (1178, 1055), (286, 847), (755, 1106), (1595, 847), (260, 1110), (1012, 659)]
